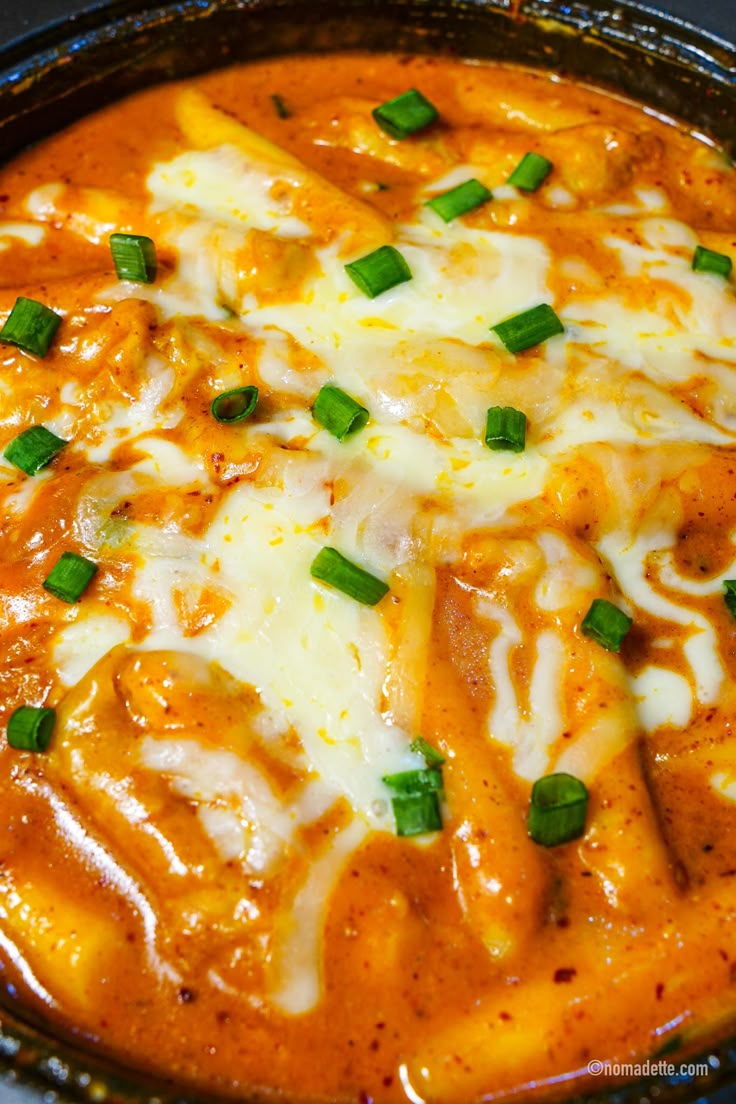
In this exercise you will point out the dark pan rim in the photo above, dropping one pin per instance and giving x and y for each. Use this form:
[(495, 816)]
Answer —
[(681, 72), (45, 81), (21, 49)]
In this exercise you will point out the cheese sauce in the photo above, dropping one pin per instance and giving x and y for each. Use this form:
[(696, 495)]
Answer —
[(202, 876)]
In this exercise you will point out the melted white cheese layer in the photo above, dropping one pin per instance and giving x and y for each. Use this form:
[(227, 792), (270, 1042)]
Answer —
[(318, 660), (464, 280)]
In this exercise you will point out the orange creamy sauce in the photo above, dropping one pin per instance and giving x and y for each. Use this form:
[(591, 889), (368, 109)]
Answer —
[(604, 948)]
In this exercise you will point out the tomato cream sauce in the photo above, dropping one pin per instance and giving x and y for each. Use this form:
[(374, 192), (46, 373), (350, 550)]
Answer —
[(201, 875)]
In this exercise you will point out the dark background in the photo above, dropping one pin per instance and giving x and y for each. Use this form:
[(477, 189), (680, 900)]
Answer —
[(19, 17)]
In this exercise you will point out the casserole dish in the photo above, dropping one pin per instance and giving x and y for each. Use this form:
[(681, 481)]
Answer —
[(55, 85)]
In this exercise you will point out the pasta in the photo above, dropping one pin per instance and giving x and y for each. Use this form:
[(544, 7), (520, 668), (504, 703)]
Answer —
[(368, 581)]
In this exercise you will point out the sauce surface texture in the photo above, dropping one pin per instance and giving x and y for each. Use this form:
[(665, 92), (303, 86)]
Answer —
[(202, 874)]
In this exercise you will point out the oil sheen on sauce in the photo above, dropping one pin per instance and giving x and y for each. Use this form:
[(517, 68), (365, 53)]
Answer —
[(201, 875)]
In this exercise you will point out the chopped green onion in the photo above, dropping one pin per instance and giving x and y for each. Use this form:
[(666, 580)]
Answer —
[(280, 107), (706, 260), (338, 412), (134, 256), (330, 566), (417, 813), (730, 596), (414, 781), (30, 326), (406, 114), (33, 449), (378, 271), (606, 624), (532, 170), (505, 429), (70, 576), (529, 328), (557, 809), (30, 728), (235, 405), (458, 201), (431, 756), (416, 805)]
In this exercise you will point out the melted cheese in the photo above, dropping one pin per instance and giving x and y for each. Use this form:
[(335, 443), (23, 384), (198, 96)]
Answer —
[(297, 987), (282, 630), (629, 560), (663, 697), (27, 232), (269, 777)]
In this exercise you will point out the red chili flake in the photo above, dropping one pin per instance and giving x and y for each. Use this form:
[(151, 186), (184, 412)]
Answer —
[(187, 996), (659, 990), (504, 1015), (564, 975)]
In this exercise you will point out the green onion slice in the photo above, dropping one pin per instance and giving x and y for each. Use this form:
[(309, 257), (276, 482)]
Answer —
[(339, 412), (416, 804), (280, 107), (405, 114), (30, 728), (33, 449), (529, 328), (414, 781), (30, 326), (706, 260), (532, 170), (379, 271), (431, 756), (70, 576), (557, 809), (417, 813), (458, 201), (505, 429), (330, 566), (606, 624), (134, 256), (235, 405), (730, 596)]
